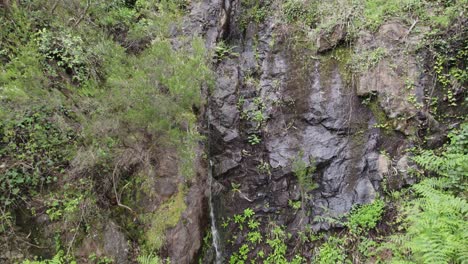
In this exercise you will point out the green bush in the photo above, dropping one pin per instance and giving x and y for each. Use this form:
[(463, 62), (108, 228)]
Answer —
[(67, 51), (22, 79), (300, 11), (331, 252), (365, 217), (36, 152), (304, 173)]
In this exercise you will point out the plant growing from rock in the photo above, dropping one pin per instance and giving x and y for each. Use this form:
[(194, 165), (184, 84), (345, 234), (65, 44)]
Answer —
[(222, 51), (365, 217), (254, 139)]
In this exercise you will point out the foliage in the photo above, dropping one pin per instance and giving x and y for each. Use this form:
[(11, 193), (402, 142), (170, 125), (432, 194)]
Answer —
[(451, 163), (167, 216), (304, 172), (254, 139), (276, 242), (436, 220), (300, 11), (451, 73), (148, 259), (331, 252), (222, 51), (253, 11), (296, 205), (59, 258), (68, 52), (437, 226), (39, 150), (100, 259), (85, 87), (365, 217), (367, 59)]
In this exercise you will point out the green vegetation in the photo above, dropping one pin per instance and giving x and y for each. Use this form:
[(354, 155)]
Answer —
[(366, 60), (253, 11), (322, 17), (254, 139), (304, 173), (270, 248), (300, 11), (57, 259), (167, 216), (98, 99), (436, 219), (148, 259), (222, 50), (331, 251), (91, 94), (365, 217), (431, 220)]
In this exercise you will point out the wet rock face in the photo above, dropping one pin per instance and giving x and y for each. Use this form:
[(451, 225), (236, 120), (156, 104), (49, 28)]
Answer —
[(274, 103)]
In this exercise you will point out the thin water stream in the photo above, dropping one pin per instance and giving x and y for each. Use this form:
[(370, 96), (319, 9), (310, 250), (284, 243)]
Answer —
[(214, 230)]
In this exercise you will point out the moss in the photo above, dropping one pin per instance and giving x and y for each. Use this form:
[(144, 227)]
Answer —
[(381, 118), (378, 112), (167, 216), (339, 57)]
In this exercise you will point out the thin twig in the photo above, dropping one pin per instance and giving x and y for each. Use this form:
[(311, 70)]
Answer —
[(76, 232), (82, 14), (117, 198), (54, 7), (411, 28)]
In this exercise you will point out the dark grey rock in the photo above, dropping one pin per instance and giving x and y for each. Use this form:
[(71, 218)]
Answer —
[(115, 244)]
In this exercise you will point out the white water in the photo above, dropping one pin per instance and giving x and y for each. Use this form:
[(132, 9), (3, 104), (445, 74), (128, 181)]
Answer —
[(214, 230)]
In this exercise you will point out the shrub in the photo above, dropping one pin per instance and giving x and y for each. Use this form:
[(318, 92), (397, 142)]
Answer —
[(67, 51), (365, 217), (331, 252), (36, 151), (304, 173), (300, 11)]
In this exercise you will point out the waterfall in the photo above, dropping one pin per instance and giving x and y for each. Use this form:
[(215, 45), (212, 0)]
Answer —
[(214, 230)]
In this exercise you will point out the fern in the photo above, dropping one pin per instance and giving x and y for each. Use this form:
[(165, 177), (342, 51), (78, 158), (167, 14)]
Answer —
[(452, 163), (57, 259), (149, 259), (437, 229)]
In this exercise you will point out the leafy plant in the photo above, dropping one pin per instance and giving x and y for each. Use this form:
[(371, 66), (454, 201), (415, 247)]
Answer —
[(365, 217), (296, 205), (253, 11), (254, 139), (278, 246), (254, 237), (264, 167), (68, 52), (59, 258), (149, 259), (40, 151), (436, 220), (304, 172), (331, 252), (222, 51), (300, 11)]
